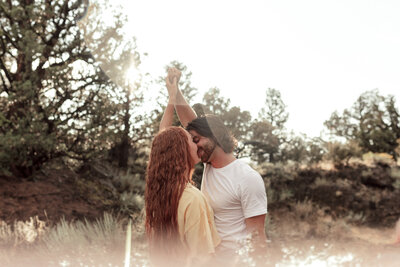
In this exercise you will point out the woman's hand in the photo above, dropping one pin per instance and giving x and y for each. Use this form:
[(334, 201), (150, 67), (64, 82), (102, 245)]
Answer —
[(172, 82)]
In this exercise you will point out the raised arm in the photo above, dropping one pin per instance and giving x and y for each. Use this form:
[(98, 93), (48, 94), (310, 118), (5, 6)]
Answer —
[(172, 85), (184, 111)]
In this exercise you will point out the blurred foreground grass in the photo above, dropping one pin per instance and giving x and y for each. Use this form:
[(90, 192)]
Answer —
[(78, 243), (102, 243)]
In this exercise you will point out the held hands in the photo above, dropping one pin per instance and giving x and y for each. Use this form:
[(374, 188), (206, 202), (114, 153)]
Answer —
[(172, 82)]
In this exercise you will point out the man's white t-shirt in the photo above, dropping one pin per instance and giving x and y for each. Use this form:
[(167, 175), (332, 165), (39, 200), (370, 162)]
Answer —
[(235, 192)]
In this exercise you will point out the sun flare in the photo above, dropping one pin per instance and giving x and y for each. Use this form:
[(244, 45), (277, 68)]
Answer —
[(133, 76)]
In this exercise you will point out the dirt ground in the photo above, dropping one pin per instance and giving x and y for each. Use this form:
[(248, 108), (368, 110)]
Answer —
[(50, 197)]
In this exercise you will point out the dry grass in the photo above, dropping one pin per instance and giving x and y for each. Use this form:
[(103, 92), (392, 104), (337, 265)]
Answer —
[(79, 243), (306, 236), (22, 233)]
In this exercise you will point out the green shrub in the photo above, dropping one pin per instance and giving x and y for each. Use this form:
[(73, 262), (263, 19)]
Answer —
[(303, 209), (339, 152), (321, 182), (395, 174), (285, 194), (378, 158), (130, 188), (357, 218)]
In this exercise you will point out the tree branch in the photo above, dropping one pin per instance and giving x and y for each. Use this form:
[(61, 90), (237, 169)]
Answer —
[(3, 67)]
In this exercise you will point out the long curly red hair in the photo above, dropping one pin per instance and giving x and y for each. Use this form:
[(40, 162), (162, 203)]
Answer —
[(169, 170)]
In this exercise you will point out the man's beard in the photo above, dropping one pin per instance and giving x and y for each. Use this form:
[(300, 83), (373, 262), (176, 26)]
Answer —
[(207, 150)]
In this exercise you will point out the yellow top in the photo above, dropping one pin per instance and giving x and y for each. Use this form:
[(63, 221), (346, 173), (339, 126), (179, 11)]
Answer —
[(196, 225)]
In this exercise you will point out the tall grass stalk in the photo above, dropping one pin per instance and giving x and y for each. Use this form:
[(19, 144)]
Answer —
[(128, 243)]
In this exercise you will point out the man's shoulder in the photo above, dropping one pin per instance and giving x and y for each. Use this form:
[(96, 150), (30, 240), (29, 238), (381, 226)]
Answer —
[(239, 170), (245, 169)]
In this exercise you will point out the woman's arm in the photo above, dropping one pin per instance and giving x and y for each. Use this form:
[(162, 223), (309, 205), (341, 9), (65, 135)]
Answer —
[(184, 111), (172, 85)]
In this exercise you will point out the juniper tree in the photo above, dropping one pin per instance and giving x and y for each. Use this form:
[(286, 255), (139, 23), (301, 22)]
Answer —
[(55, 99)]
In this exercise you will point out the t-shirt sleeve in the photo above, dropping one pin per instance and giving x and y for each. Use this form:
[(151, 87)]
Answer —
[(200, 233), (253, 196)]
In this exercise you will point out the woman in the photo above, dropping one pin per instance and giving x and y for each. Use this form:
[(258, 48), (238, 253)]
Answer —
[(179, 221)]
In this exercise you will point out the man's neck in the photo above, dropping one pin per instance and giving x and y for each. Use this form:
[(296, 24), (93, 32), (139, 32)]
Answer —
[(221, 159)]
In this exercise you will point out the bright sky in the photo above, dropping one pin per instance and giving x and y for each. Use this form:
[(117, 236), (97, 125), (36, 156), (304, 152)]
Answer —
[(321, 55)]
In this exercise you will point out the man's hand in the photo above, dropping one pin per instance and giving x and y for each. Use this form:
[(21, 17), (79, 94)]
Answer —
[(172, 82)]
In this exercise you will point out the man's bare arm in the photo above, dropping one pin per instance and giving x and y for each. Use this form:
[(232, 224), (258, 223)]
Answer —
[(256, 226), (185, 112)]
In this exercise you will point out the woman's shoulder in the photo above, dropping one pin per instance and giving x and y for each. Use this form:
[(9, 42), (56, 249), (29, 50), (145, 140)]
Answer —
[(192, 194), (192, 191)]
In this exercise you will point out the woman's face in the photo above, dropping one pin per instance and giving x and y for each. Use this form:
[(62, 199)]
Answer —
[(192, 149)]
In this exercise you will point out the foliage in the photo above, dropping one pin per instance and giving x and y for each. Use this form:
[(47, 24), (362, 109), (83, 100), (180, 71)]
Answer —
[(372, 122), (321, 182), (316, 150), (277, 177), (263, 142), (236, 120), (268, 133), (275, 109), (397, 149), (355, 218), (186, 87), (378, 158), (303, 209), (130, 191), (56, 100), (295, 148), (214, 103), (395, 174), (263, 139), (299, 148), (339, 152), (121, 63), (116, 189)]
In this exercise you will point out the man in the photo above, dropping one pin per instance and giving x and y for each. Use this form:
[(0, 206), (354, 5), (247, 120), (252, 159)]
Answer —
[(234, 190)]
